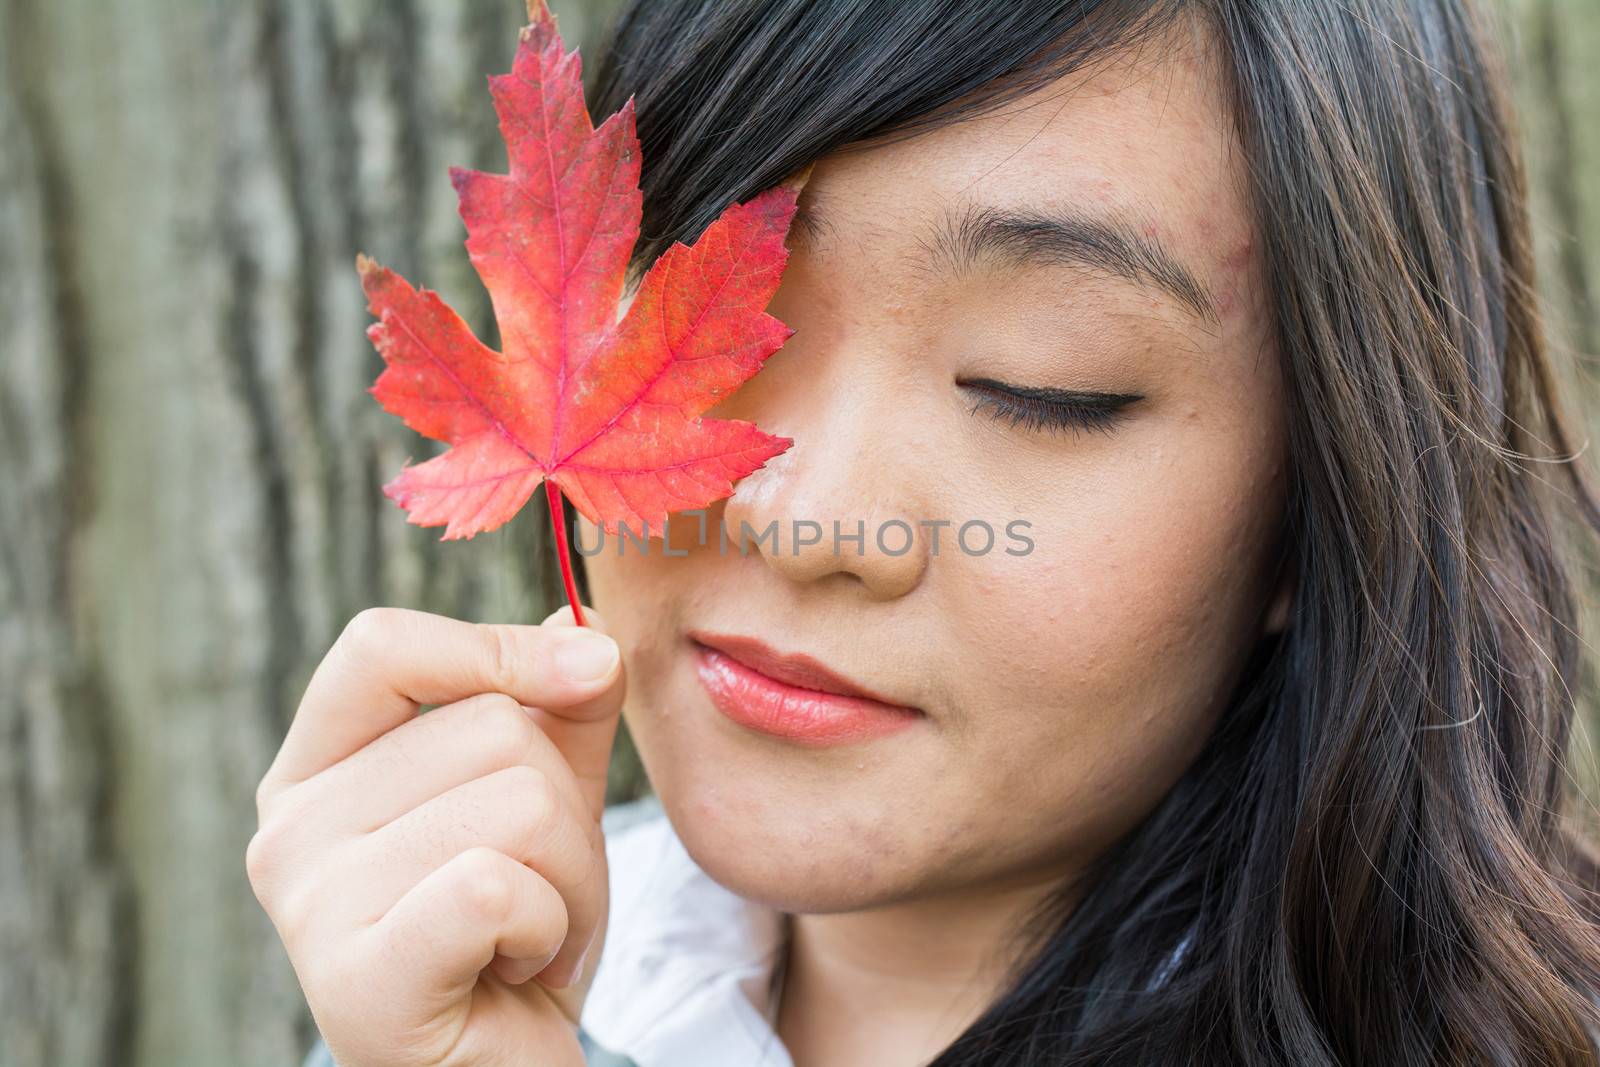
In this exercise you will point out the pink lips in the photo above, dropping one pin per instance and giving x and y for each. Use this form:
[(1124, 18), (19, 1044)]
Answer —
[(791, 696)]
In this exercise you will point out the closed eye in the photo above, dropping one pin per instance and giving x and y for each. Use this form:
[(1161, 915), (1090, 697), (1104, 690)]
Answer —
[(1043, 408)]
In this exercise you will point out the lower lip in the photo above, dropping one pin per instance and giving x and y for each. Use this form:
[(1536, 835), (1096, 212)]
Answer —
[(804, 716)]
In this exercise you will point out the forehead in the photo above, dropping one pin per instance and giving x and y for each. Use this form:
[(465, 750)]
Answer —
[(1145, 136)]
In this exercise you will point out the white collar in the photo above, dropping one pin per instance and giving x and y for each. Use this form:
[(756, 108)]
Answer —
[(684, 972), (686, 966)]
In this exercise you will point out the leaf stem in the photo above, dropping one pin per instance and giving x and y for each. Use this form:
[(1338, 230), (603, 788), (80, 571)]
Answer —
[(558, 522)]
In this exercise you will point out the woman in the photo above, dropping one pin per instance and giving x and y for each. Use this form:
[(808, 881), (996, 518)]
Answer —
[(1242, 738)]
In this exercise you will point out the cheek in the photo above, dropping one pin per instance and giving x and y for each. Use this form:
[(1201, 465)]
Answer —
[(633, 592), (1138, 605)]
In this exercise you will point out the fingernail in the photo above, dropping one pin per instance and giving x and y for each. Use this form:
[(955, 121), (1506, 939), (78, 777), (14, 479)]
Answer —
[(573, 970), (586, 656)]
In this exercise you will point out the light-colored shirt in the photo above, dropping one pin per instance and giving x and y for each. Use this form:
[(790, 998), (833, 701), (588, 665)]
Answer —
[(684, 976)]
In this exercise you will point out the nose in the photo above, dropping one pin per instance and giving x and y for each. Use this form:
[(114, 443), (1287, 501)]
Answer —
[(839, 502)]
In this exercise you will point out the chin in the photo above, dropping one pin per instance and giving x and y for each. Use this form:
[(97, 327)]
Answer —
[(783, 850)]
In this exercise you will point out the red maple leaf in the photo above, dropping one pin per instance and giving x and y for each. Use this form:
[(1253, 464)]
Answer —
[(608, 411)]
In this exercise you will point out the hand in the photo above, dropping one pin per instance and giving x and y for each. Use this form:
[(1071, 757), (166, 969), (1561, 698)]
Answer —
[(439, 880)]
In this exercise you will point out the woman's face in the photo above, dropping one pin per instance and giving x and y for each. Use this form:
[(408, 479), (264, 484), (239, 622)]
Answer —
[(1093, 236)]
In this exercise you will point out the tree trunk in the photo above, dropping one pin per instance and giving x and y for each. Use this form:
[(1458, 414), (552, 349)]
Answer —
[(1552, 45), (190, 510)]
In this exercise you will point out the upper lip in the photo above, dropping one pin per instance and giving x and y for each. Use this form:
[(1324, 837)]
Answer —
[(793, 668)]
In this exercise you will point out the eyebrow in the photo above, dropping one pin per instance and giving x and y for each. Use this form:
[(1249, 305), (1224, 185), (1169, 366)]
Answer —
[(965, 237)]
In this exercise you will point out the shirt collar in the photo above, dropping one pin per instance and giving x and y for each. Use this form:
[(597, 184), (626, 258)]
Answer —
[(686, 966)]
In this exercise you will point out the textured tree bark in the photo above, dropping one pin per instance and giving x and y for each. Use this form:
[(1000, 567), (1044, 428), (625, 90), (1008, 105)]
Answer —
[(190, 509), (63, 896), (1552, 45), (189, 506)]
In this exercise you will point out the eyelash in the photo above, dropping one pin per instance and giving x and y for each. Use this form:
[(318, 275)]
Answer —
[(1040, 408)]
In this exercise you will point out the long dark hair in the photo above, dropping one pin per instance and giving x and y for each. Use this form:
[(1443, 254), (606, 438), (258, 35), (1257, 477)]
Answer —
[(1370, 864)]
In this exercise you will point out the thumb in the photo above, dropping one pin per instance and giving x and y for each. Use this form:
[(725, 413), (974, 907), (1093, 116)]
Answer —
[(585, 732)]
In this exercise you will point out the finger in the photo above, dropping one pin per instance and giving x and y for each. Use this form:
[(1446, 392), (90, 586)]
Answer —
[(455, 743), (389, 661), (479, 906), (517, 811), (587, 732), (430, 755), (563, 616)]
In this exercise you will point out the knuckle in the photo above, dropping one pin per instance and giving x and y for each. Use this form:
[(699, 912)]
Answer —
[(258, 861), (263, 855), (503, 725), (368, 631), (293, 909), (274, 796), (486, 891), (533, 789), (270, 870), (277, 861), (540, 805), (507, 657)]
